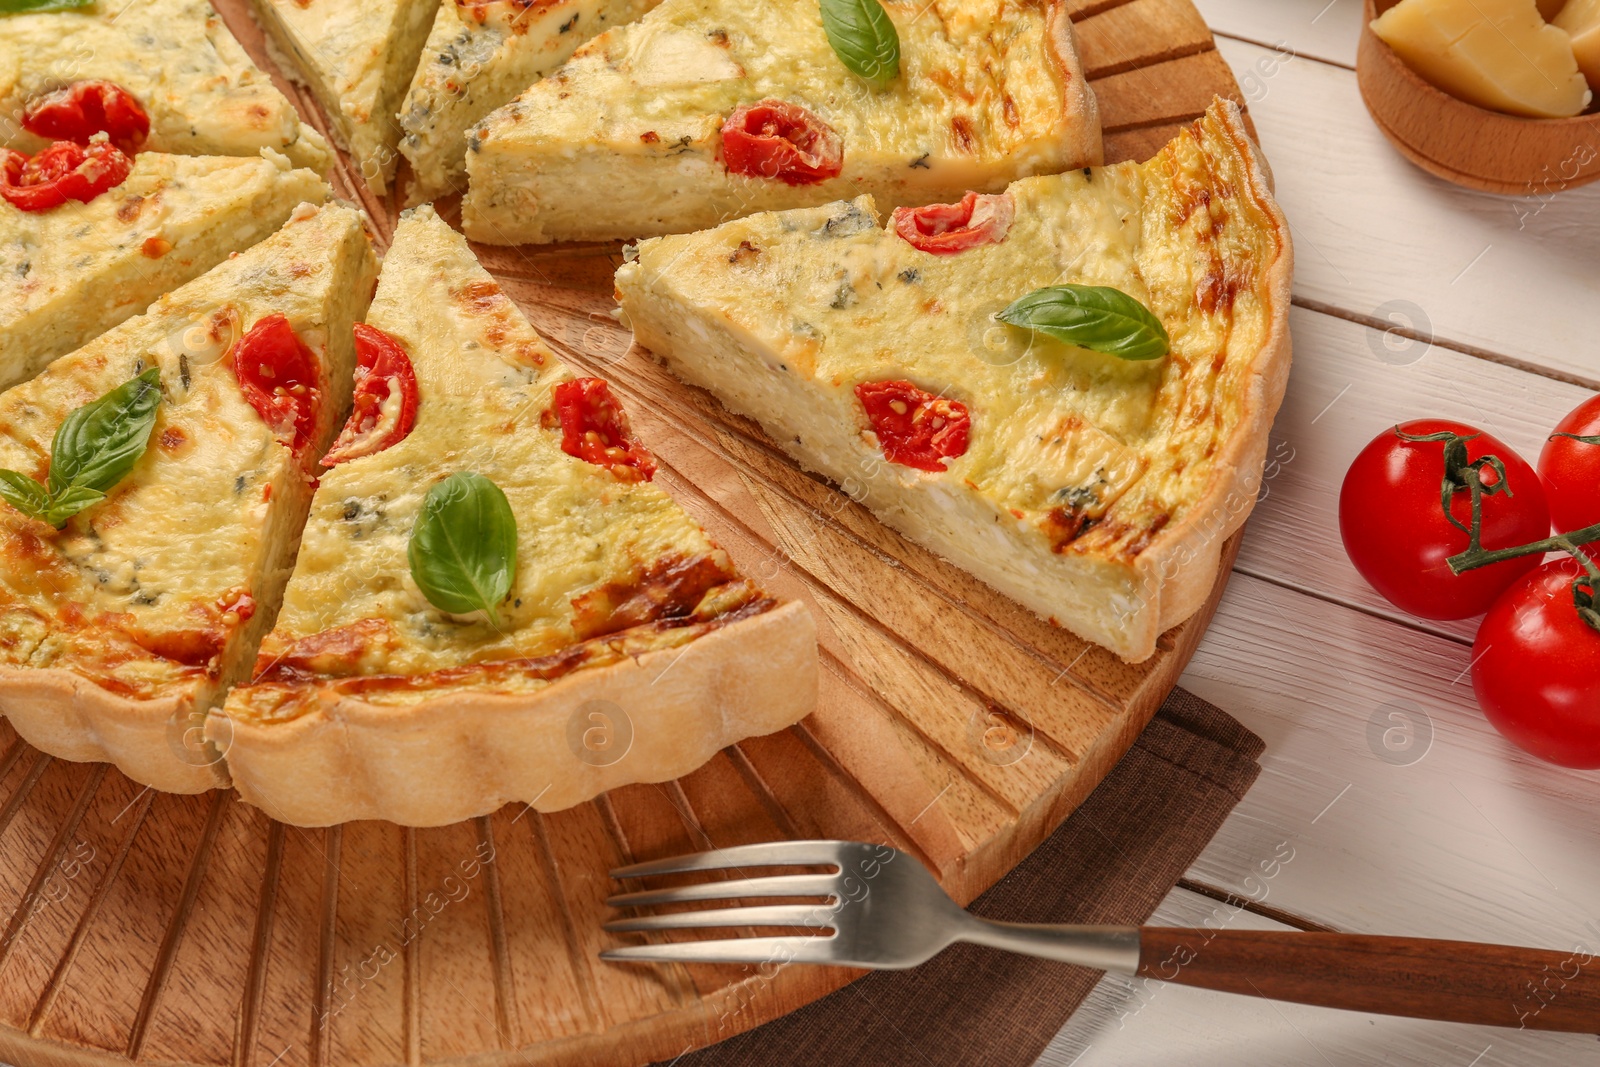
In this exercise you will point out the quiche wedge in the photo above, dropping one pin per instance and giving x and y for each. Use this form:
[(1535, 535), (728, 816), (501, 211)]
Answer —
[(480, 55), (626, 648), (1095, 490), (706, 110), (357, 57), (118, 630), (81, 268), (203, 95)]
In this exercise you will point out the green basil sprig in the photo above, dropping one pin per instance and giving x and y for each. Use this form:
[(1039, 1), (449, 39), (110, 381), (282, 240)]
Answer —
[(463, 549), (1092, 316), (94, 448), (17, 7), (864, 38)]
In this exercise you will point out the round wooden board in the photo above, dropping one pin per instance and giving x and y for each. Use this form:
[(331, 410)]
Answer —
[(147, 927)]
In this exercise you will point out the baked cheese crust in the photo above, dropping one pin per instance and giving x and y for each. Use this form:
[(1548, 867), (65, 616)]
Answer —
[(120, 629), (357, 57), (1096, 491), (480, 55), (203, 94), (625, 140), (369, 702), (80, 269)]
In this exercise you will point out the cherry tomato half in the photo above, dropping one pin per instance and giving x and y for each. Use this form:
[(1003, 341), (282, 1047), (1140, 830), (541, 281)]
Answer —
[(62, 172), (780, 140), (385, 408), (1571, 469), (83, 109), (594, 428), (914, 427), (946, 229), (1395, 530), (281, 379), (1536, 669)]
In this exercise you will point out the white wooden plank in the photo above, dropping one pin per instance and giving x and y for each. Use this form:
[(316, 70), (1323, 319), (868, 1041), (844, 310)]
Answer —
[(1379, 238), (1125, 1021), (1459, 835), (1318, 29), (1348, 385)]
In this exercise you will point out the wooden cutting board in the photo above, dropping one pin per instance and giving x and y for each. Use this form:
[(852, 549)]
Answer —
[(138, 926)]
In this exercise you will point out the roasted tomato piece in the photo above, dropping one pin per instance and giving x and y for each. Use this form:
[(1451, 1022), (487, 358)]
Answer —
[(945, 229), (914, 427), (780, 140), (83, 109), (595, 428), (281, 379), (385, 401), (62, 172)]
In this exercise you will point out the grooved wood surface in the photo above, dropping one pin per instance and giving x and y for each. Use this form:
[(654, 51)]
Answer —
[(146, 927)]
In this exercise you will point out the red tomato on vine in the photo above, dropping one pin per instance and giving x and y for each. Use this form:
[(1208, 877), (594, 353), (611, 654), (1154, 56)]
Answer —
[(1395, 528), (1536, 665), (1570, 467)]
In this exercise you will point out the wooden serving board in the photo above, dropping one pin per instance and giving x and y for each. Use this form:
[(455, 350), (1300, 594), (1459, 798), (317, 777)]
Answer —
[(145, 927)]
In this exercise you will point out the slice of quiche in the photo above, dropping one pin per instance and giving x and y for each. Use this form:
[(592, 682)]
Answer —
[(706, 110), (482, 54), (1094, 489), (78, 269), (201, 93), (357, 57), (118, 629), (622, 647)]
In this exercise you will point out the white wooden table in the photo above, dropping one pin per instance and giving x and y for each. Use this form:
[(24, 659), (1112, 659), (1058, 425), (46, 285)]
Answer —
[(1458, 835)]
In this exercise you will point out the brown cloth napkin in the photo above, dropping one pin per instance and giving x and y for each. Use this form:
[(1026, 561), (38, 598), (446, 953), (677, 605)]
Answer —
[(1112, 861)]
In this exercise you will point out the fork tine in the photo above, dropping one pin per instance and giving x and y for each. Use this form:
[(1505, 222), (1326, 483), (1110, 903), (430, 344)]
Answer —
[(787, 885), (816, 915), (730, 950), (769, 854)]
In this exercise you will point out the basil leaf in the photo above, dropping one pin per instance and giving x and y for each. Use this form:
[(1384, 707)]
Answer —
[(463, 548), (1092, 316), (69, 502), (94, 448), (24, 494), (98, 444), (17, 7), (864, 38)]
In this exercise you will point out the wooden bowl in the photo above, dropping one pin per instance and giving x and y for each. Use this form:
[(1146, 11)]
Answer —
[(1466, 144)]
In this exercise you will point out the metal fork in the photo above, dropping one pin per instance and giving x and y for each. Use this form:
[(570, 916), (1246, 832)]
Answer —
[(886, 912)]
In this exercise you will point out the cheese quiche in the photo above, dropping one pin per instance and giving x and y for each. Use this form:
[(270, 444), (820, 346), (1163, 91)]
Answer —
[(200, 92), (625, 647), (119, 628), (482, 54), (357, 57), (1094, 489), (705, 110), (78, 269)]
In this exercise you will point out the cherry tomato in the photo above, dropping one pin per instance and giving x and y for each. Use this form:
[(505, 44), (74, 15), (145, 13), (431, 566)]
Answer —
[(594, 428), (1536, 669), (62, 172), (776, 139), (1395, 530), (281, 379), (915, 428), (83, 109), (946, 229), (1571, 469), (385, 401)]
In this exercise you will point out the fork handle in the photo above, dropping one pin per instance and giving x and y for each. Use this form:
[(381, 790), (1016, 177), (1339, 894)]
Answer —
[(1454, 981)]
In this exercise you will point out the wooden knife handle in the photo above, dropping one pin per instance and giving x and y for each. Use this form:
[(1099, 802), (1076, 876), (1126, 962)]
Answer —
[(1456, 981)]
